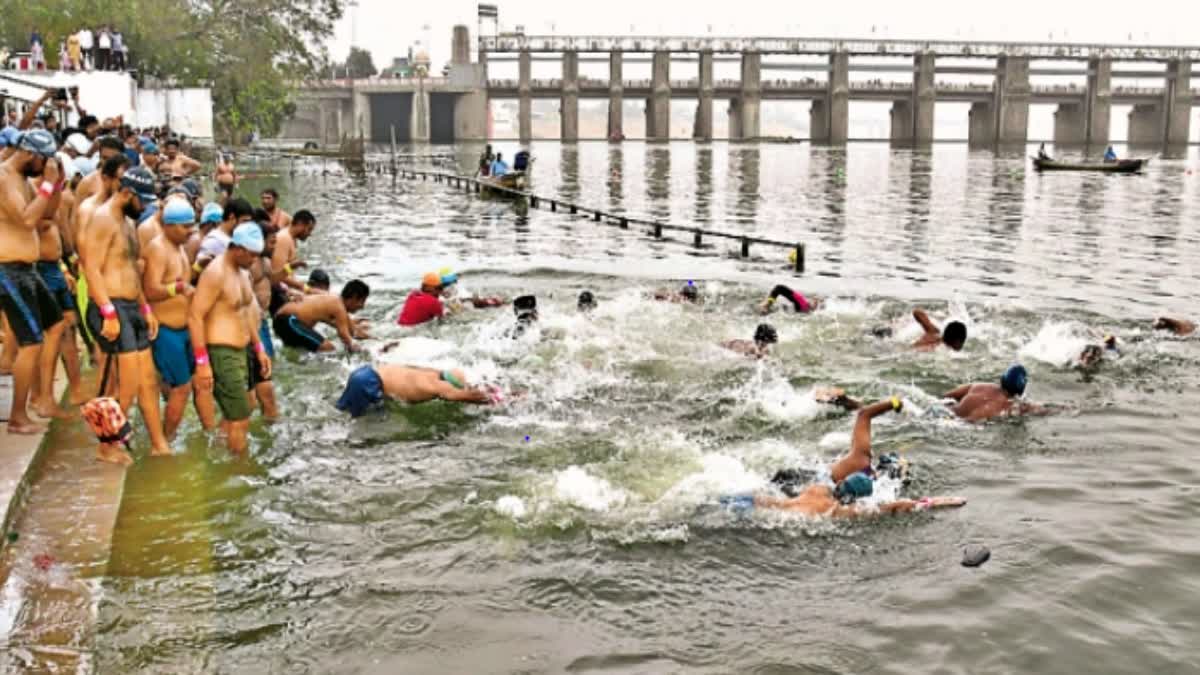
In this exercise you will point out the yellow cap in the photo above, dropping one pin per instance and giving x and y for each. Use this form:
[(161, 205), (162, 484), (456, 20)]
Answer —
[(792, 256), (896, 405), (431, 279)]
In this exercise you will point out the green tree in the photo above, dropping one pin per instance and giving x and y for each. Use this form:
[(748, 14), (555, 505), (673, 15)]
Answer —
[(358, 64), (248, 51)]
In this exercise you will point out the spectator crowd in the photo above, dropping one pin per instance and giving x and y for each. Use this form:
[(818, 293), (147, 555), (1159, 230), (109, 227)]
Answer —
[(101, 49)]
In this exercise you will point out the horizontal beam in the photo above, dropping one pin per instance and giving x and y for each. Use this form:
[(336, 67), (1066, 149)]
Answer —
[(511, 42)]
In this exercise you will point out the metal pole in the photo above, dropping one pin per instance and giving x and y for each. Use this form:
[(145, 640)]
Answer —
[(393, 128)]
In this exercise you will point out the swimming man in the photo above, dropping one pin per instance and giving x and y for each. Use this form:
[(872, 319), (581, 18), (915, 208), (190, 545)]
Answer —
[(368, 386)]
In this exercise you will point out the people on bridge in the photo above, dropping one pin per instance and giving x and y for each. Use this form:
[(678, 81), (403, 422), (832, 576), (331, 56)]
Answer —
[(1110, 155), (499, 167)]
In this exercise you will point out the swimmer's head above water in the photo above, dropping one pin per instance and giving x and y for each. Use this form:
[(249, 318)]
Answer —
[(955, 335), (1014, 380), (689, 292), (765, 335), (854, 487), (525, 307), (431, 283), (587, 301)]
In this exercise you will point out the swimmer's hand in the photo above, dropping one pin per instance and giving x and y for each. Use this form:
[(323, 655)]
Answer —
[(152, 326), (927, 503), (389, 347)]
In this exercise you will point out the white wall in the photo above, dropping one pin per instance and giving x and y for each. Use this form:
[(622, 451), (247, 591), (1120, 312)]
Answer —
[(188, 111)]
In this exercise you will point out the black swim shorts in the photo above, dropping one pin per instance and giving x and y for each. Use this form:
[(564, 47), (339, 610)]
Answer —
[(135, 332), (28, 304)]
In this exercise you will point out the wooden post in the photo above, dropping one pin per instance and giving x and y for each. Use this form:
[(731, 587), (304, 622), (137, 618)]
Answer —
[(696, 239), (624, 223), (658, 230), (745, 247), (574, 209), (533, 201), (799, 266), (393, 128), (596, 216), (553, 205)]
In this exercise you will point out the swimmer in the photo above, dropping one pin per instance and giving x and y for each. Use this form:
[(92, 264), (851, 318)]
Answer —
[(954, 336), (1179, 327), (836, 396), (525, 307), (764, 336), (368, 386), (1093, 355), (801, 304), (587, 302), (453, 303), (425, 304), (295, 321), (688, 293), (984, 400)]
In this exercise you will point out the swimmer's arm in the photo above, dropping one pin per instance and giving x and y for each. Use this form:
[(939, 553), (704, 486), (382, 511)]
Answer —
[(152, 278), (923, 504), (34, 211), (959, 393), (1024, 408), (449, 392), (923, 318), (279, 268), (341, 321), (95, 249)]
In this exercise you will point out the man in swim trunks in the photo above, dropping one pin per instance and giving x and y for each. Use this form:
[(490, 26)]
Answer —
[(111, 172), (167, 283), (225, 176), (764, 336), (118, 316), (53, 270), (368, 386), (1179, 327), (176, 163), (801, 304), (295, 321), (28, 305), (285, 261), (983, 401), (425, 304), (221, 325), (954, 336), (270, 203), (262, 389)]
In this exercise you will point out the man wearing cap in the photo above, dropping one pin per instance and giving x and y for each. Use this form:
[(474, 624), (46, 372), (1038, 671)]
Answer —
[(210, 218), (118, 316), (175, 162), (217, 240), (111, 173), (28, 305), (424, 304), (109, 147), (285, 260), (270, 203), (168, 288), (221, 325), (983, 401), (150, 157)]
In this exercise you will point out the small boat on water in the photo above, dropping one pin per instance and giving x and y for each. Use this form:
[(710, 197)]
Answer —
[(1119, 166), (518, 179)]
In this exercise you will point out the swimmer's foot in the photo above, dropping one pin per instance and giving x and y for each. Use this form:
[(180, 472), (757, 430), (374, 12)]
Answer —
[(164, 451), (25, 427), (77, 397), (113, 455), (52, 411)]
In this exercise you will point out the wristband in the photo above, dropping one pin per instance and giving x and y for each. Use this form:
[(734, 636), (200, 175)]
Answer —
[(260, 348), (924, 503), (171, 290), (46, 189), (74, 258), (146, 310), (307, 289), (288, 269), (197, 268), (108, 311), (896, 404), (201, 356), (63, 267)]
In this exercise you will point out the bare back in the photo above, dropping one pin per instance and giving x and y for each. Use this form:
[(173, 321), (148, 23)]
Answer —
[(983, 401)]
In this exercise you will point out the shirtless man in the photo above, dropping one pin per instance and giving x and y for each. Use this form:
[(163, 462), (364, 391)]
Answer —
[(111, 173), (210, 217), (983, 401), (118, 315), (368, 386), (270, 203), (1179, 327), (954, 336), (226, 178), (221, 325), (152, 227), (176, 163), (57, 277), (286, 260), (262, 389), (110, 147), (295, 321), (167, 283), (28, 305), (764, 336), (217, 240)]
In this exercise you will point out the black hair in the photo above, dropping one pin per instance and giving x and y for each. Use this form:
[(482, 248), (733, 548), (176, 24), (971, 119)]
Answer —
[(112, 165), (690, 292), (587, 300), (261, 216), (355, 289), (766, 334), (111, 143), (318, 277), (304, 217), (525, 303), (955, 333), (272, 192), (237, 208), (170, 142), (87, 121)]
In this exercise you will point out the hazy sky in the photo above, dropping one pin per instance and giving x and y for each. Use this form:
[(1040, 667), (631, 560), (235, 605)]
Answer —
[(387, 27)]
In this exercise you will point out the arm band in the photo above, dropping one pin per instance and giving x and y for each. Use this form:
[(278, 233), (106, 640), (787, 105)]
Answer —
[(146, 310), (260, 348), (288, 269), (108, 311), (201, 356), (46, 190)]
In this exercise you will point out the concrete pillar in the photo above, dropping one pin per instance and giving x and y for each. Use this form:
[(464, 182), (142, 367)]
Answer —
[(1012, 100), (569, 102), (704, 111), (751, 98), (461, 53), (924, 98), (735, 119), (525, 96), (649, 118), (362, 117), (1099, 102), (1178, 104), (616, 96), (660, 98), (902, 123), (818, 121), (1146, 125), (838, 110), (419, 123), (981, 127), (1070, 125), (470, 116)]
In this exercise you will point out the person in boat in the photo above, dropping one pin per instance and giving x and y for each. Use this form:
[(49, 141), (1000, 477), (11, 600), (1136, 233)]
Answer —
[(485, 161), (521, 162), (851, 478), (764, 336), (1110, 155), (801, 304), (369, 386), (984, 401), (1177, 326), (499, 167), (1043, 155)]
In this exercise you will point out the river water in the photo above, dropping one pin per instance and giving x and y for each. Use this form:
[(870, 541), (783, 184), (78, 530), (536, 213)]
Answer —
[(575, 528)]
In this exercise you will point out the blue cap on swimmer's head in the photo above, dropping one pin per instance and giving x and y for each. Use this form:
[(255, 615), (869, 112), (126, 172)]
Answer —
[(39, 142), (1014, 380), (448, 278), (178, 212), (363, 390), (212, 213), (855, 486), (248, 236), (141, 181)]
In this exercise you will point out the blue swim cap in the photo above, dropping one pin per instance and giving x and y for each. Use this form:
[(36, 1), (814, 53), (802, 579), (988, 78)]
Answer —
[(1014, 380), (178, 212), (249, 236), (855, 486), (9, 136), (212, 213), (363, 390), (449, 279), (39, 142), (149, 147)]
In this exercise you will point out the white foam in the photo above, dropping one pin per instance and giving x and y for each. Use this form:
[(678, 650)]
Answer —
[(576, 486), (1057, 343), (780, 400), (720, 474), (835, 440), (511, 506)]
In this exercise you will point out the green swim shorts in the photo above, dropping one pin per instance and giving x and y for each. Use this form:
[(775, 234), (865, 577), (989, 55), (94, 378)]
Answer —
[(229, 381)]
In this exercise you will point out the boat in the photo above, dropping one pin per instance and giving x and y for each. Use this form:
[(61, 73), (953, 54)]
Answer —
[(1119, 166), (513, 182)]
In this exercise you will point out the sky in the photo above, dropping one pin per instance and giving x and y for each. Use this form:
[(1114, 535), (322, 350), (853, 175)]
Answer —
[(387, 27)]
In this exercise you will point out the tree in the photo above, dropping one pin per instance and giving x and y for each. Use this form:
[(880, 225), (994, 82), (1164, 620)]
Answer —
[(359, 64), (247, 51)]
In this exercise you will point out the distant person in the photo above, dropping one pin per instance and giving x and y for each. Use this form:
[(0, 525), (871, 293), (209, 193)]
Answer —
[(295, 322), (764, 336), (587, 302), (1110, 155), (983, 401), (1042, 153), (1179, 327), (87, 44), (104, 49), (800, 303), (118, 50), (525, 307), (74, 52), (499, 167), (954, 336), (688, 293), (368, 386), (425, 304), (175, 163)]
